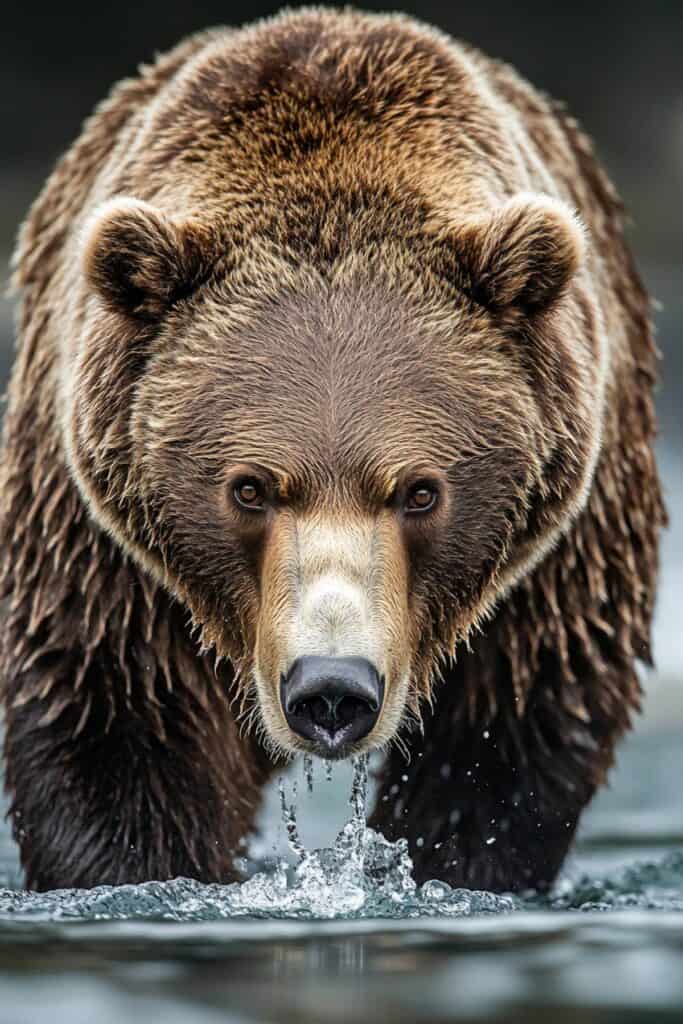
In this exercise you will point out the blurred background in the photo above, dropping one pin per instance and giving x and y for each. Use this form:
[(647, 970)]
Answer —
[(616, 64)]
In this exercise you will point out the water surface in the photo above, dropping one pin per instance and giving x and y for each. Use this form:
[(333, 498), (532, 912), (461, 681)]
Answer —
[(325, 935)]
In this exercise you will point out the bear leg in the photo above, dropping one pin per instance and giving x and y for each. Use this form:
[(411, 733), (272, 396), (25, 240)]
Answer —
[(127, 777), (491, 799)]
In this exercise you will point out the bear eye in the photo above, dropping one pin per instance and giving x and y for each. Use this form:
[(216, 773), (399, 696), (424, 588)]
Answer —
[(421, 497), (249, 494)]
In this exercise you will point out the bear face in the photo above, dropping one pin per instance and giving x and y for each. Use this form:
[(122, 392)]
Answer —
[(346, 460)]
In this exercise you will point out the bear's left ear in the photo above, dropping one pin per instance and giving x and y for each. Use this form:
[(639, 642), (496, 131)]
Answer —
[(139, 260), (523, 254)]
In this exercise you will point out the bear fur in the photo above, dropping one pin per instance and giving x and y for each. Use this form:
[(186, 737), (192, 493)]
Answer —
[(322, 175)]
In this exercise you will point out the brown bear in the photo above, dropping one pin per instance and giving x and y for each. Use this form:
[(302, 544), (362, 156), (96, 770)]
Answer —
[(330, 430)]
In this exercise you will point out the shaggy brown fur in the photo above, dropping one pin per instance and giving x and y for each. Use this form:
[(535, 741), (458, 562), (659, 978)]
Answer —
[(340, 247)]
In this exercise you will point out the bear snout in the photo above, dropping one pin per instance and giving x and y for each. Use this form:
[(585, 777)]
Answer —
[(332, 655)]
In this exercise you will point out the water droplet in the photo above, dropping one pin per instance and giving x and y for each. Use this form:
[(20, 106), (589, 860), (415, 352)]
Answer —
[(308, 772), (289, 819), (435, 891)]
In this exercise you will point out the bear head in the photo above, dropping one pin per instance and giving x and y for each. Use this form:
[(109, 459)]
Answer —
[(338, 457)]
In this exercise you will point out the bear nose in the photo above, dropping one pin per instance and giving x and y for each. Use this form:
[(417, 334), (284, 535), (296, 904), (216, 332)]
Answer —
[(331, 701)]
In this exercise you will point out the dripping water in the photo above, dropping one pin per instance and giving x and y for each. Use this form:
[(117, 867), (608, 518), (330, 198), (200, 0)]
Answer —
[(360, 875), (308, 771)]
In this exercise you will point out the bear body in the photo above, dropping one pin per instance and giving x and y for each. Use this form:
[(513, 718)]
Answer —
[(330, 345)]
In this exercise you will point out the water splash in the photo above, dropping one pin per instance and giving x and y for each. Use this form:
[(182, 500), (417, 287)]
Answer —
[(362, 875), (347, 881)]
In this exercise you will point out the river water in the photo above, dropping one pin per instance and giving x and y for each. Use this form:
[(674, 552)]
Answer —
[(327, 934)]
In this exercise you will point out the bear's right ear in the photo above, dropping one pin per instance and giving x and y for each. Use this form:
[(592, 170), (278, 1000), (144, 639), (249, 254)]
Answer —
[(139, 260)]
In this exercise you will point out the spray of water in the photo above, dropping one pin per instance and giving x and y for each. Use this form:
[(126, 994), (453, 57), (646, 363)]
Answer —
[(362, 875)]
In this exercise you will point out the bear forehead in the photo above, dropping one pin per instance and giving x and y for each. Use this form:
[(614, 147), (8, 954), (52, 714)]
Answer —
[(343, 382)]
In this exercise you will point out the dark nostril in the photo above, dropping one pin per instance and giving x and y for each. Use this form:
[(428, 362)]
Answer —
[(332, 701), (340, 710)]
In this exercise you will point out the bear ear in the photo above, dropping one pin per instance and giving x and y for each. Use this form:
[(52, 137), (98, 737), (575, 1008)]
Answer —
[(522, 255), (139, 260)]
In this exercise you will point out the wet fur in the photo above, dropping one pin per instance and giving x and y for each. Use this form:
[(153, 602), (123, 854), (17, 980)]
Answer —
[(124, 757)]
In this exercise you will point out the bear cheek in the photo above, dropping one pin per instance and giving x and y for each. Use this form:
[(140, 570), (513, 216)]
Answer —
[(453, 577)]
